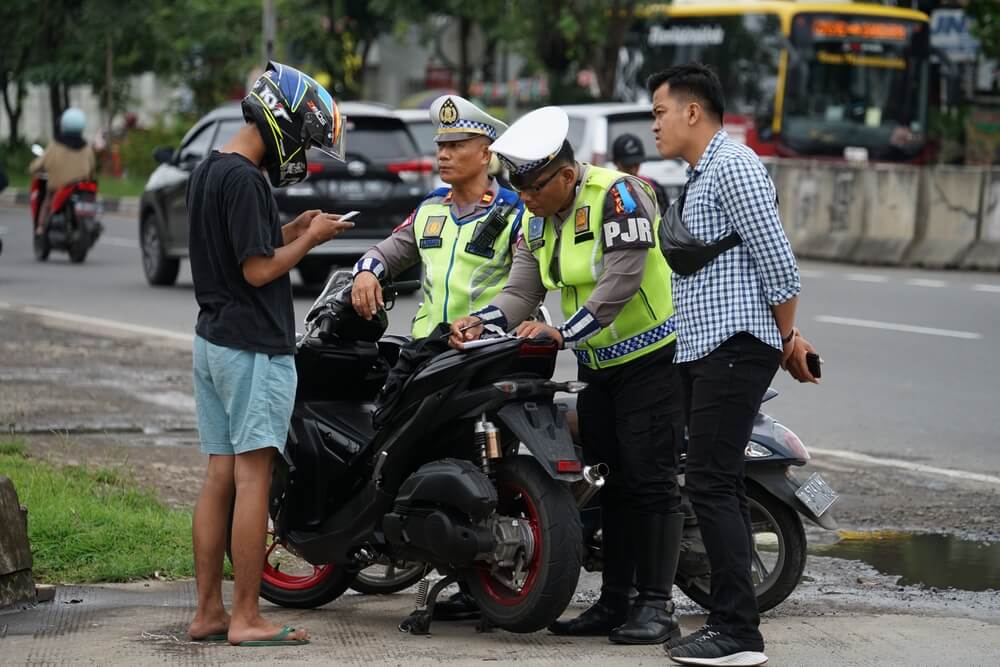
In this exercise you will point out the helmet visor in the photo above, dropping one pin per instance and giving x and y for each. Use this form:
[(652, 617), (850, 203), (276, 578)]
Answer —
[(337, 149)]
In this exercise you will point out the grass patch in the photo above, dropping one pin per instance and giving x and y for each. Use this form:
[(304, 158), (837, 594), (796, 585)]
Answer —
[(106, 186), (91, 525)]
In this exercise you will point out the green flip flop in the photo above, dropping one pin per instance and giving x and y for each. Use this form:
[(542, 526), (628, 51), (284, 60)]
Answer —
[(212, 638), (277, 640)]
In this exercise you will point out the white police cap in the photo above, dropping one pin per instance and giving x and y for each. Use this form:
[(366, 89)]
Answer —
[(533, 140), (457, 118)]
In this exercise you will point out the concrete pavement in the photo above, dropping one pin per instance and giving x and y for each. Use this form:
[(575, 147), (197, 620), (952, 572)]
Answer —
[(144, 624)]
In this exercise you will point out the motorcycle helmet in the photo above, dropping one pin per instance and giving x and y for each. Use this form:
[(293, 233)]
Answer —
[(72, 121), (293, 113)]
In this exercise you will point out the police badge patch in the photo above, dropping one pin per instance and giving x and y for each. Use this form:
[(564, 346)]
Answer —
[(448, 113), (581, 224), (432, 232), (536, 233)]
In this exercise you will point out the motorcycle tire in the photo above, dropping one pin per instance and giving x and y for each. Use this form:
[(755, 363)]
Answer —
[(526, 491), (394, 580), (311, 589), (42, 247), (79, 248), (767, 514)]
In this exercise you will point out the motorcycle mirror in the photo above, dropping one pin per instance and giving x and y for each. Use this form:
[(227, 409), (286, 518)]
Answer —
[(37, 150)]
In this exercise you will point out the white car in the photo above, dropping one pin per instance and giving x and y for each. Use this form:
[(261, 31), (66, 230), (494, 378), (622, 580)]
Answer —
[(593, 128)]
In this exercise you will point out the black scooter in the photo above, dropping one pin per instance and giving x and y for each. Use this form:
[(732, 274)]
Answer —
[(778, 501), (443, 481)]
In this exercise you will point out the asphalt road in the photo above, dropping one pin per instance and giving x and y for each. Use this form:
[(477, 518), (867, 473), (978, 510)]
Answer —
[(911, 364)]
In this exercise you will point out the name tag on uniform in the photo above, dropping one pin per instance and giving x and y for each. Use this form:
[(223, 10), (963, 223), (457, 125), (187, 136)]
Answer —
[(536, 233), (431, 237)]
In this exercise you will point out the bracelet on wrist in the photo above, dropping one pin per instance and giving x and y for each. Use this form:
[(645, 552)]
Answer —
[(788, 339)]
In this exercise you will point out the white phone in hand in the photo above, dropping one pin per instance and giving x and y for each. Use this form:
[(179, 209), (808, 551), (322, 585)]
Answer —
[(347, 216)]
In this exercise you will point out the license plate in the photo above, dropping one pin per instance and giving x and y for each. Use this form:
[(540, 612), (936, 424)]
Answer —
[(816, 495), (357, 190)]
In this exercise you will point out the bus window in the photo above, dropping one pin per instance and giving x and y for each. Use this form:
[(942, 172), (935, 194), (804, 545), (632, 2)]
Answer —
[(745, 50), (856, 81)]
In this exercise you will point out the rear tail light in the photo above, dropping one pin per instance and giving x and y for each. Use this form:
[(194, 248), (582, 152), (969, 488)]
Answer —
[(421, 165), (314, 167), (411, 171), (569, 466), (538, 348), (785, 436)]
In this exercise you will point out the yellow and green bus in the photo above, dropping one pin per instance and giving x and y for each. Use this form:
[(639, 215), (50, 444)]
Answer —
[(802, 79)]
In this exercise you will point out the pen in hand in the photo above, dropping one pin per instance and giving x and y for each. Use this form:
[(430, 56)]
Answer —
[(462, 329)]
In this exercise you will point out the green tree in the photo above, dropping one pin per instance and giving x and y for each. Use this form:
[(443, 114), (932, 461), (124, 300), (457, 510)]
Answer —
[(986, 14), (14, 60), (208, 46), (333, 37)]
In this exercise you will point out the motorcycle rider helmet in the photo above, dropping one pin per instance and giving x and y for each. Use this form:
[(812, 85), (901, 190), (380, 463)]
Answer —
[(293, 113), (72, 121)]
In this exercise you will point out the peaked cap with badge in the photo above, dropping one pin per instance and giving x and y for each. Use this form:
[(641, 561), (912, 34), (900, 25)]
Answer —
[(458, 119), (533, 141)]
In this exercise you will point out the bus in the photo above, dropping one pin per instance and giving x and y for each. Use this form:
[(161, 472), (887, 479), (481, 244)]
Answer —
[(837, 80)]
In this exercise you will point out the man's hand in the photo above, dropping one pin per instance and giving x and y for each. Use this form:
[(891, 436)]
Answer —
[(794, 359), (366, 295), (300, 225), (534, 329), (464, 329), (324, 226)]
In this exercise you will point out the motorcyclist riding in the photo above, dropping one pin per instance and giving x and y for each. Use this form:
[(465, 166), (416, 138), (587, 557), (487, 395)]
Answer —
[(69, 158)]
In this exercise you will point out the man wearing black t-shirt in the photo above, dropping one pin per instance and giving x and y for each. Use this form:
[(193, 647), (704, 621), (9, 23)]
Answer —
[(244, 371)]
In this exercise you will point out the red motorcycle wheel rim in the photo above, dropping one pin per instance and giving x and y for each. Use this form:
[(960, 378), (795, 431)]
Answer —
[(292, 582), (497, 591)]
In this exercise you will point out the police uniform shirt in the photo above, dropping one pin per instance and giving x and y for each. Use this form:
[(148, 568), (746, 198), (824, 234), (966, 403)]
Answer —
[(399, 251), (620, 271)]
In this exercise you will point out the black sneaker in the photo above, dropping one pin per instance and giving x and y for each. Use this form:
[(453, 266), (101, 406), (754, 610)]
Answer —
[(716, 648), (687, 639)]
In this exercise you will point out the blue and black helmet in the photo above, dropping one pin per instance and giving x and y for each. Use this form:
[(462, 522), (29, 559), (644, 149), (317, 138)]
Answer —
[(293, 113)]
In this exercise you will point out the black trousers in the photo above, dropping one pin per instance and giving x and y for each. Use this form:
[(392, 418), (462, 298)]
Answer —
[(722, 395), (630, 418)]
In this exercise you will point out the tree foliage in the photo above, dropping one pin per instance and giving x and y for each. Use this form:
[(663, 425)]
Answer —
[(986, 14)]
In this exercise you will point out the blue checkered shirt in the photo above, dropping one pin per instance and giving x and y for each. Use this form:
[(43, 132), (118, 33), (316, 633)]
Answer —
[(730, 190)]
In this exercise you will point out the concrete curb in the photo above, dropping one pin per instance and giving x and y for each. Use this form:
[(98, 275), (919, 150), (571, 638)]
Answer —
[(122, 205)]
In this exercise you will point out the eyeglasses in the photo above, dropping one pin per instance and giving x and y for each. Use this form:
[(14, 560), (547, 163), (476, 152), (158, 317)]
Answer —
[(538, 186)]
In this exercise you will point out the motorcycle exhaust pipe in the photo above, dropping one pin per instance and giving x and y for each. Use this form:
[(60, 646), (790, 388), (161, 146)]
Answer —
[(593, 480)]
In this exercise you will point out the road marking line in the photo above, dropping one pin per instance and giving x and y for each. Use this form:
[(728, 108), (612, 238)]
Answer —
[(986, 288), (100, 322), (114, 240), (905, 328), (867, 278), (905, 465), (926, 282)]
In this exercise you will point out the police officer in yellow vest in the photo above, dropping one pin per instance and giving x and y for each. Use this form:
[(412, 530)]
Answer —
[(463, 234), (590, 232)]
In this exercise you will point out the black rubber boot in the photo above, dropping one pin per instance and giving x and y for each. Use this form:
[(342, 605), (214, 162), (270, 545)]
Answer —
[(657, 539), (611, 610), (459, 607)]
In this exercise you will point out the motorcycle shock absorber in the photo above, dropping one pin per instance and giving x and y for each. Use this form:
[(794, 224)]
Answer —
[(487, 441)]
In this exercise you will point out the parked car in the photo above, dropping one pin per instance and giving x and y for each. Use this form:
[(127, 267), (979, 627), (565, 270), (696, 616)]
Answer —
[(384, 178), (593, 128)]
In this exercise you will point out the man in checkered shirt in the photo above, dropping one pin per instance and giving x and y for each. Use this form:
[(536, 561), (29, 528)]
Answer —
[(735, 326)]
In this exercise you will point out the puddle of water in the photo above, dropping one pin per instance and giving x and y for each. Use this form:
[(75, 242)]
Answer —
[(939, 561)]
